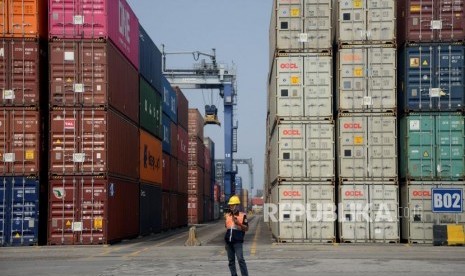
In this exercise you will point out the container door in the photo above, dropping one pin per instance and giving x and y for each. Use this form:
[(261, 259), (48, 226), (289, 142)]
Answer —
[(5, 210), (420, 146), (419, 14), (450, 141), (94, 18), (381, 20), (318, 25), (384, 213), (352, 79), (354, 216), (450, 22), (352, 21), (421, 220), (381, 80), (352, 147), (420, 78), (66, 19), (289, 24), (291, 155), (320, 202), (318, 85), (292, 221), (289, 91), (448, 89), (382, 151), (320, 151)]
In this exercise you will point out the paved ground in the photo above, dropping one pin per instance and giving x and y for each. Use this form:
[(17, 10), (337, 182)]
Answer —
[(166, 255)]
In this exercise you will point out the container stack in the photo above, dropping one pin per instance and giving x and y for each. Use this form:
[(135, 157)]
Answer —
[(216, 201), (196, 168), (209, 178), (366, 119), (300, 128), (182, 154), (151, 134), (432, 105), (94, 124), (23, 68)]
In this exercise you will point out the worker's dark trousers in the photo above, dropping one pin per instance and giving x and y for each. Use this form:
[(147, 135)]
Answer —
[(235, 249)]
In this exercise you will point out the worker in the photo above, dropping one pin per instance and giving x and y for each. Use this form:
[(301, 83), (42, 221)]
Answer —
[(236, 225)]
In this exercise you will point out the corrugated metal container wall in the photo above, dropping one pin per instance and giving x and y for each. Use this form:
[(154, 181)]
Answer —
[(195, 209), (367, 147), (183, 108), (20, 72), (301, 26), (432, 146), (166, 133), (195, 124), (183, 140), (196, 152), (301, 86), (182, 178), (165, 210), (150, 60), (23, 18), (150, 159), (90, 141), (367, 79), (302, 151), (182, 209), (87, 73), (20, 141), (19, 211), (91, 210), (174, 188), (371, 21), (432, 78), (174, 139), (195, 180), (150, 109), (377, 223), (150, 209), (170, 105), (167, 180), (97, 19), (430, 21), (319, 199), (174, 216), (418, 218)]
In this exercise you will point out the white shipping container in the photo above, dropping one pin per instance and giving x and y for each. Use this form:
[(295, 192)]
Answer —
[(417, 216), (301, 87), (301, 25), (366, 79), (361, 21), (293, 224), (302, 151), (369, 212), (367, 147)]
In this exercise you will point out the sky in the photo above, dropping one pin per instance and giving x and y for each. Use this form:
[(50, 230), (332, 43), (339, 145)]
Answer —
[(238, 30)]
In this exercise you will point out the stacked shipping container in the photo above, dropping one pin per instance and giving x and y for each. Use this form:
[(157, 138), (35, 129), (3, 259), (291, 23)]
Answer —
[(432, 100), (23, 70), (209, 178), (300, 127)]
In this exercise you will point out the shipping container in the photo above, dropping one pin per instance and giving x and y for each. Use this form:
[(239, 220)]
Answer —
[(167, 180), (216, 210), (196, 152), (96, 19), (216, 192), (150, 209), (20, 142), (88, 73), (174, 215), (195, 124), (369, 212), (182, 178), (432, 78), (183, 108), (305, 212), (165, 210), (170, 105), (19, 211), (366, 80), (418, 218), (23, 18), (432, 146), (301, 87), (182, 210), (195, 180), (195, 209), (166, 122), (92, 210), (430, 21), (21, 69), (371, 21), (301, 25), (93, 142), (174, 188), (174, 140), (183, 140), (150, 159), (302, 151), (150, 109), (367, 147), (150, 60)]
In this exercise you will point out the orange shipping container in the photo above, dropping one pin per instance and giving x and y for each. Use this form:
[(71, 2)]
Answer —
[(23, 18), (150, 158)]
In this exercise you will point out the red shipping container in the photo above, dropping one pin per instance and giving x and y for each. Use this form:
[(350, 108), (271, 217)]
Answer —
[(183, 140), (207, 162), (21, 63), (174, 175), (207, 188), (23, 18), (183, 108), (20, 141), (196, 152), (91, 210), (195, 209), (174, 214), (174, 140), (182, 178), (97, 19), (93, 142), (166, 180), (182, 210), (165, 211), (431, 21), (92, 74), (195, 180), (195, 124)]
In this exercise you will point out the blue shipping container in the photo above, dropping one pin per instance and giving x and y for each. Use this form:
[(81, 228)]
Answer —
[(166, 145), (432, 78), (19, 211), (150, 66), (170, 103)]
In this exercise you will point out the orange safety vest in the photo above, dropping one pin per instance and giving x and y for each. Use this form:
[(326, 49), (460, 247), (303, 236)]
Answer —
[(229, 223)]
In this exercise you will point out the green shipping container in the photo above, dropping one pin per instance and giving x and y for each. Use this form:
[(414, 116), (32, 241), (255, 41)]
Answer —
[(432, 146), (150, 109)]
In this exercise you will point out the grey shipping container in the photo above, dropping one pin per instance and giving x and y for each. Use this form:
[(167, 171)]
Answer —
[(150, 61), (150, 209), (150, 109)]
